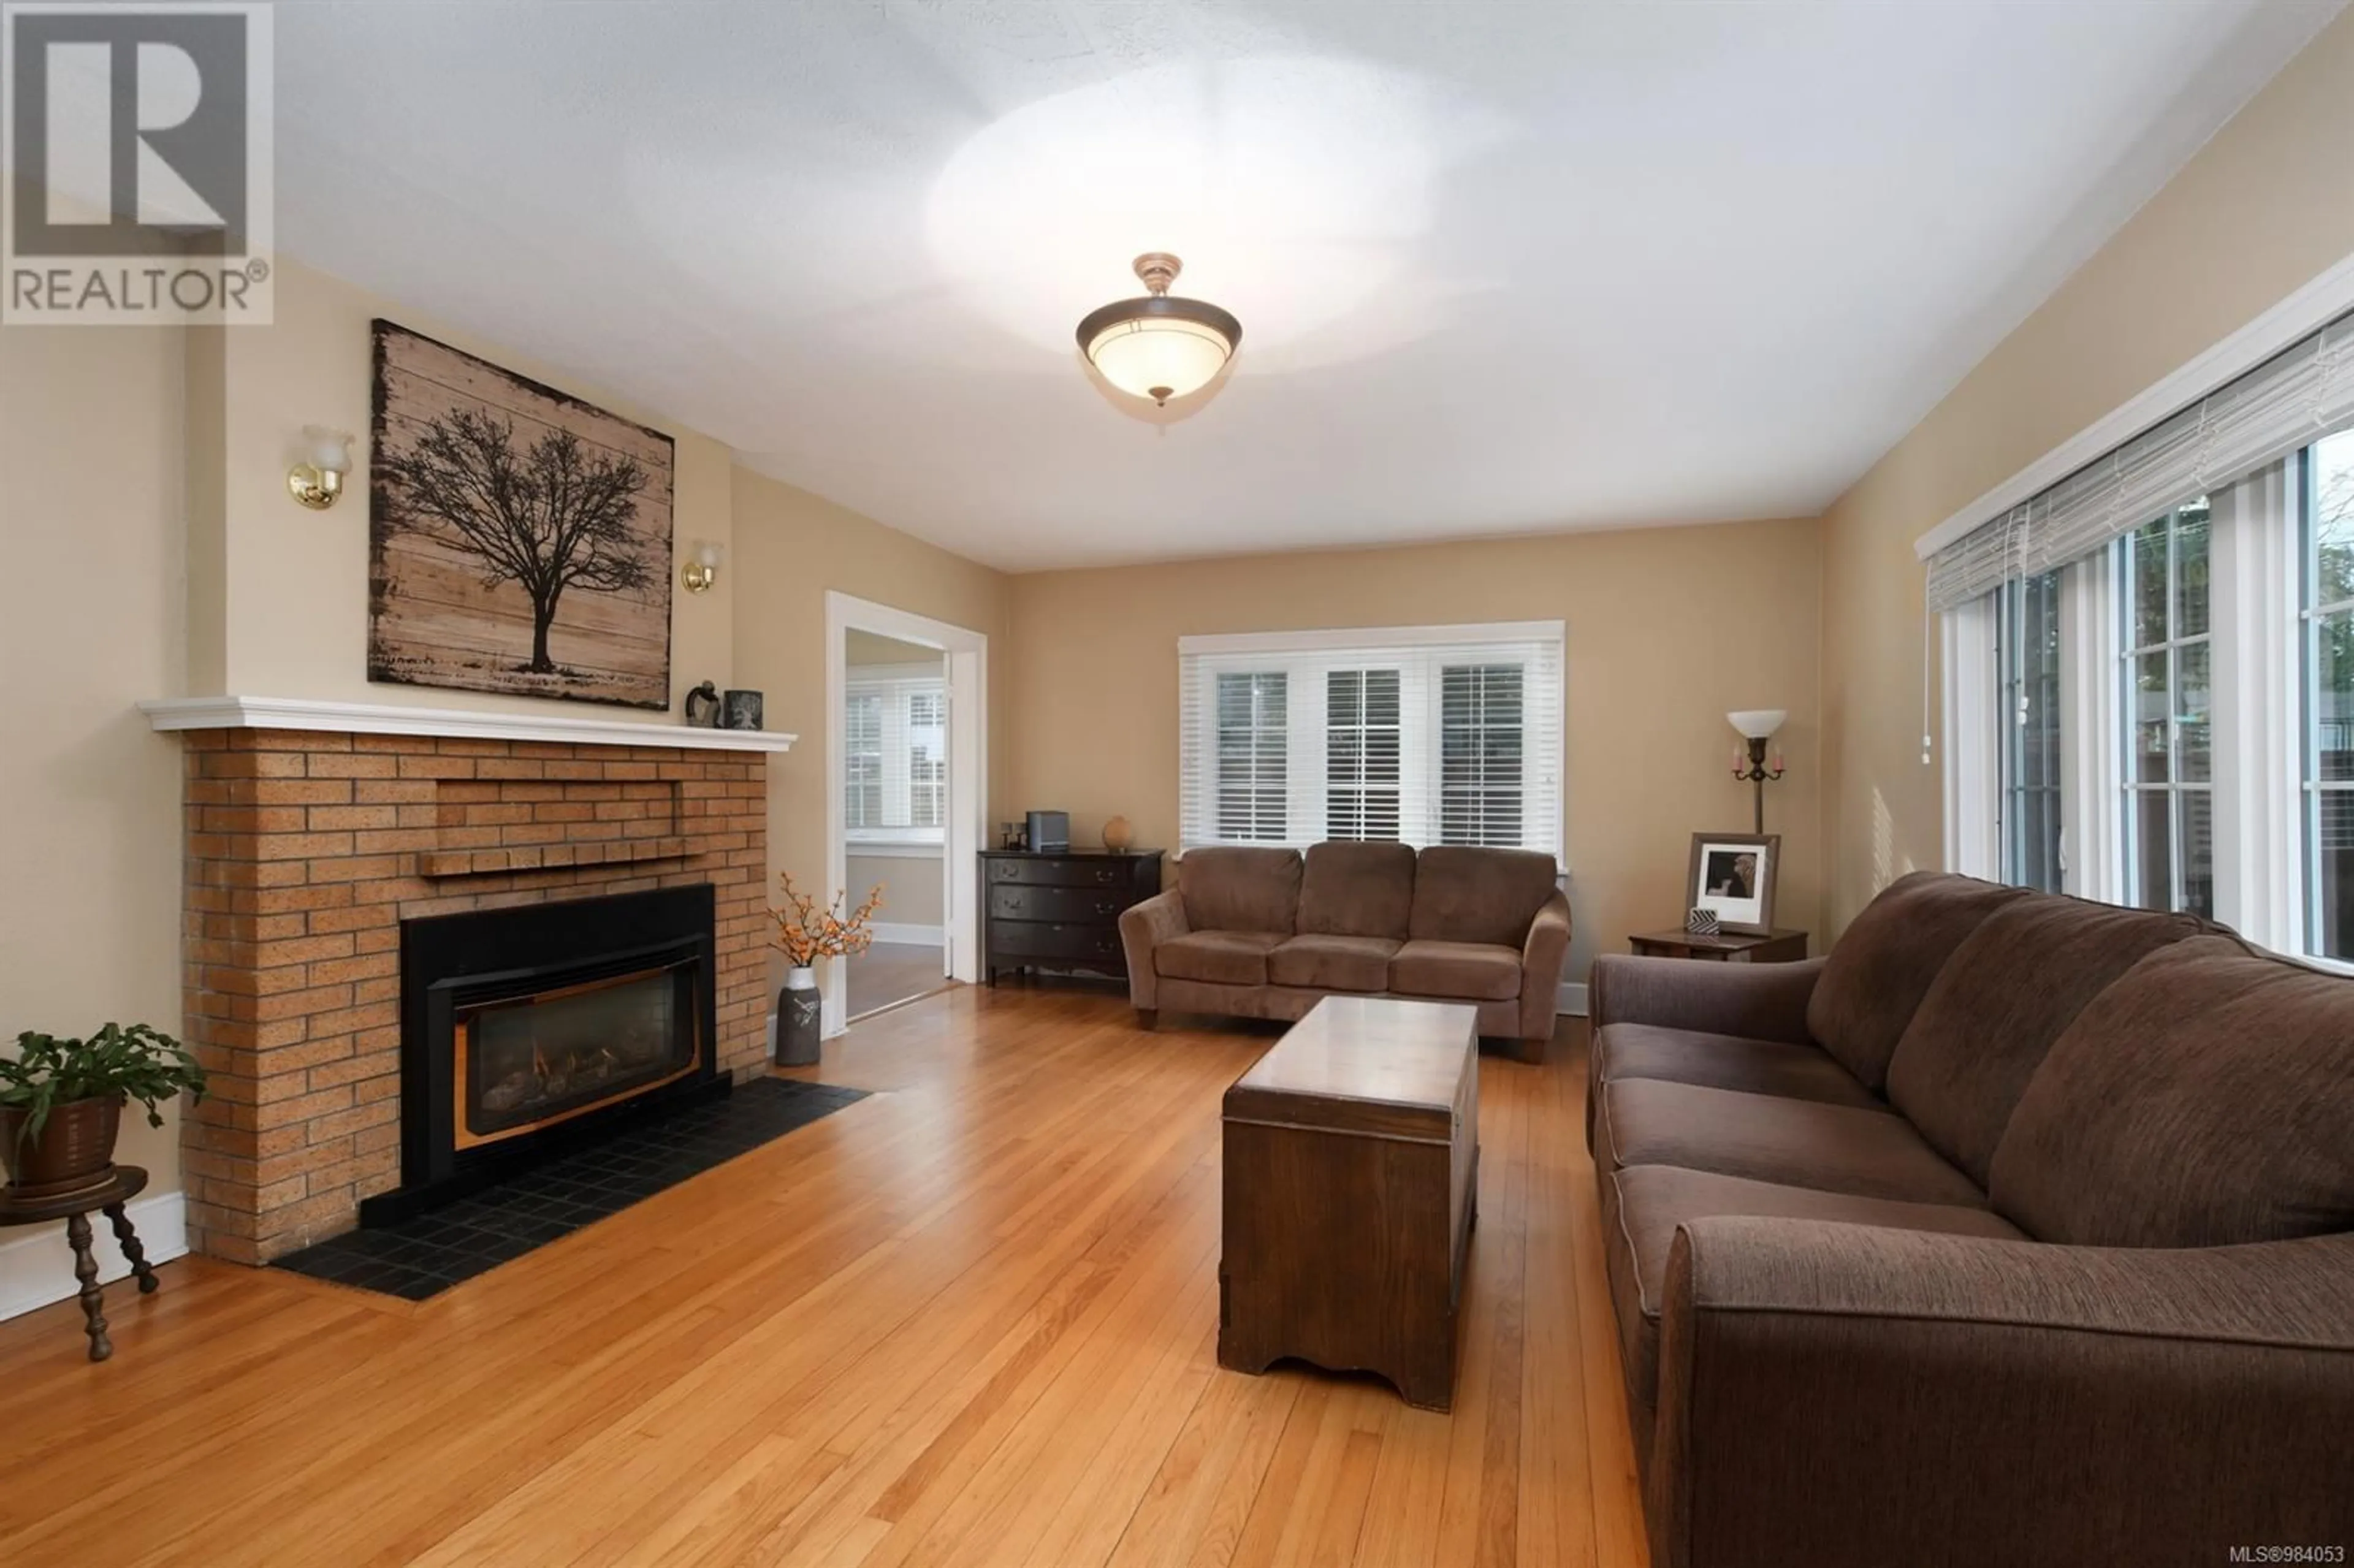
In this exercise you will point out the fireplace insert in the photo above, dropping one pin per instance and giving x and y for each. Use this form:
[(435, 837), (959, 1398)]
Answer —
[(529, 1032)]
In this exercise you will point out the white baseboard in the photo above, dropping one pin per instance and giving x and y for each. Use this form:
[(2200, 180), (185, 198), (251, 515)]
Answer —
[(1570, 999), (36, 1267), (928, 936)]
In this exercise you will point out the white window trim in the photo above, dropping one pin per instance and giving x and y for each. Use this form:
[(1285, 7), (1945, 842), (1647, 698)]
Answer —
[(966, 652), (893, 849), (1305, 711), (1355, 637)]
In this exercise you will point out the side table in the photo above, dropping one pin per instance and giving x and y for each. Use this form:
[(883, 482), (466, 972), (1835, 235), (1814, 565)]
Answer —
[(75, 1209), (1781, 947)]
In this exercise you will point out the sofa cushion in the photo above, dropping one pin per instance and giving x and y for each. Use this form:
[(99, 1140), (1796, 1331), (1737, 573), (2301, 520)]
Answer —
[(1798, 1143), (1225, 958), (2203, 1100), (1466, 895), (1885, 962), (1643, 1204), (1349, 889), (2000, 1002), (1332, 963), (1725, 1062), (1235, 888), (1480, 972)]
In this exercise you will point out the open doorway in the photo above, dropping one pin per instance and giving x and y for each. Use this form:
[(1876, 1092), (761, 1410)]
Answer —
[(906, 702), (894, 756)]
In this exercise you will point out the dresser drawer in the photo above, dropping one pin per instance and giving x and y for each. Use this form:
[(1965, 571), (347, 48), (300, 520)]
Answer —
[(1044, 871), (1027, 901), (1052, 939)]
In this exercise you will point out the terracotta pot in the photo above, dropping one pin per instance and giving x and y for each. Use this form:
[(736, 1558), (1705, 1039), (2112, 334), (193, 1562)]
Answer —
[(74, 1149)]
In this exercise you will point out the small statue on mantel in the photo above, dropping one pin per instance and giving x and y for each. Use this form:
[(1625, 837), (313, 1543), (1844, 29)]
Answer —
[(703, 706)]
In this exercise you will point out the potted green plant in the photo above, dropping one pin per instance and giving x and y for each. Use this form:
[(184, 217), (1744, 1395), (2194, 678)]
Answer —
[(61, 1102)]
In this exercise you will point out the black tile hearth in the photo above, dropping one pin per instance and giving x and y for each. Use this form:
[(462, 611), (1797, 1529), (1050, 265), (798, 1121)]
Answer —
[(424, 1256)]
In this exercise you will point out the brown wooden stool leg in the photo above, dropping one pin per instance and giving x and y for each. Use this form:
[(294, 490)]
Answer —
[(93, 1300), (129, 1241)]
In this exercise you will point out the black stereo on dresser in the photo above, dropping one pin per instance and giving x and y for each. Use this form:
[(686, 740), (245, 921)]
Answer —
[(1059, 910)]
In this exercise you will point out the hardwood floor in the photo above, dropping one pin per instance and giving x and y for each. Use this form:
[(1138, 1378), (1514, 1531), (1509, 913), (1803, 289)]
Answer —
[(891, 972), (968, 1321)]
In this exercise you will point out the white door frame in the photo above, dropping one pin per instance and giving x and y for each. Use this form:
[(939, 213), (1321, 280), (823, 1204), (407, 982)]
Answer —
[(967, 653)]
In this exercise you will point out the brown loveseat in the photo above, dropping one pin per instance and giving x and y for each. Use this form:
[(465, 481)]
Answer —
[(2018, 1230), (1263, 933)]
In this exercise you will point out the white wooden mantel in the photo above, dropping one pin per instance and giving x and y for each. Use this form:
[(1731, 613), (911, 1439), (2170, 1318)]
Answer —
[(379, 718)]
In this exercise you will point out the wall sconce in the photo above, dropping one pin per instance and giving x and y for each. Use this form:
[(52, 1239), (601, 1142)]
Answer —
[(702, 563), (318, 479), (1750, 765)]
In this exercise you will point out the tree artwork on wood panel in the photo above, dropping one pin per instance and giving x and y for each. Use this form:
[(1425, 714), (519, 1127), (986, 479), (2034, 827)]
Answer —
[(520, 539)]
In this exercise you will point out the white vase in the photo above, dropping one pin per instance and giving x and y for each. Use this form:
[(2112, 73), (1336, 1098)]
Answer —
[(801, 977)]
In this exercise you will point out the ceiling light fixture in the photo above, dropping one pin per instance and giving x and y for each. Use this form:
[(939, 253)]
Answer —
[(1156, 347)]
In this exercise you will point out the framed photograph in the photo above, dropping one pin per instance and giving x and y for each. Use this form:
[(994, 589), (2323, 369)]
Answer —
[(519, 539), (1733, 878)]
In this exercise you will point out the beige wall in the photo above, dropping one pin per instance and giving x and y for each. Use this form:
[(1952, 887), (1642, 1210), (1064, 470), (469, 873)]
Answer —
[(874, 648), (91, 620), (790, 548), (913, 894), (293, 584), (2261, 210), (1654, 663)]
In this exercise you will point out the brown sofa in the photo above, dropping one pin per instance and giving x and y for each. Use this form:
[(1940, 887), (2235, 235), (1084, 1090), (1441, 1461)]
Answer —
[(1264, 932), (2020, 1230)]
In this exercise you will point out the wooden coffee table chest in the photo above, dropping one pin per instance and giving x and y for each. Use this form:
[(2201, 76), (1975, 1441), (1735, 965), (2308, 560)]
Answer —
[(1351, 1165)]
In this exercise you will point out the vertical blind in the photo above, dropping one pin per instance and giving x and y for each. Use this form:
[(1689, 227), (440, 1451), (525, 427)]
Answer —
[(2303, 392), (1421, 734)]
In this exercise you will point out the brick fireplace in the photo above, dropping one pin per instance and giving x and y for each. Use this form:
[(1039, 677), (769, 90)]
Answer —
[(306, 849)]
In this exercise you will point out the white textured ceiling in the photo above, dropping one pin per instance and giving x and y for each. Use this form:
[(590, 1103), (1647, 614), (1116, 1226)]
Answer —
[(1500, 267)]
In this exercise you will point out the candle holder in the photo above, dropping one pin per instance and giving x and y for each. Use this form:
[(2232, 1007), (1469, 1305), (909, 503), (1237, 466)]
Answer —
[(1750, 764)]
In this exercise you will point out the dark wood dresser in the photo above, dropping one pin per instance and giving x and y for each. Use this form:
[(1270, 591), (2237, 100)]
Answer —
[(1059, 909)]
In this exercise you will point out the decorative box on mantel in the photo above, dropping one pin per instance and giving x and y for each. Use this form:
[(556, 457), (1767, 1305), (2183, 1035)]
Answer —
[(313, 829)]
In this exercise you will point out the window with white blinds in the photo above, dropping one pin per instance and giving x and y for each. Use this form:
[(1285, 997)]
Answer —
[(1420, 735), (895, 753)]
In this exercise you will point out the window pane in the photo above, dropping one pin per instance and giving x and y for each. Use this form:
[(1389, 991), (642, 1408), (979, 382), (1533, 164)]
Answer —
[(2152, 705), (1362, 754), (2333, 519), (2146, 550), (862, 760), (2330, 823), (1253, 755), (2194, 713), (2153, 832), (2332, 719), (2028, 731), (1480, 754), (2190, 535), (2195, 833)]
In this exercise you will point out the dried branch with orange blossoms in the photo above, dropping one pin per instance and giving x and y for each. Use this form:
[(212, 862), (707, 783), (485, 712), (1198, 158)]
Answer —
[(805, 933)]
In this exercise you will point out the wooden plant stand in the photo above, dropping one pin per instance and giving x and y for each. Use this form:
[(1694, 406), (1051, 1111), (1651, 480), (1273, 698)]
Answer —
[(75, 1209)]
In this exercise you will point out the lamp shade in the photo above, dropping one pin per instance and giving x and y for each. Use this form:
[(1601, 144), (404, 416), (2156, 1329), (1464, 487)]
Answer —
[(1756, 724), (1157, 347), (328, 450)]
